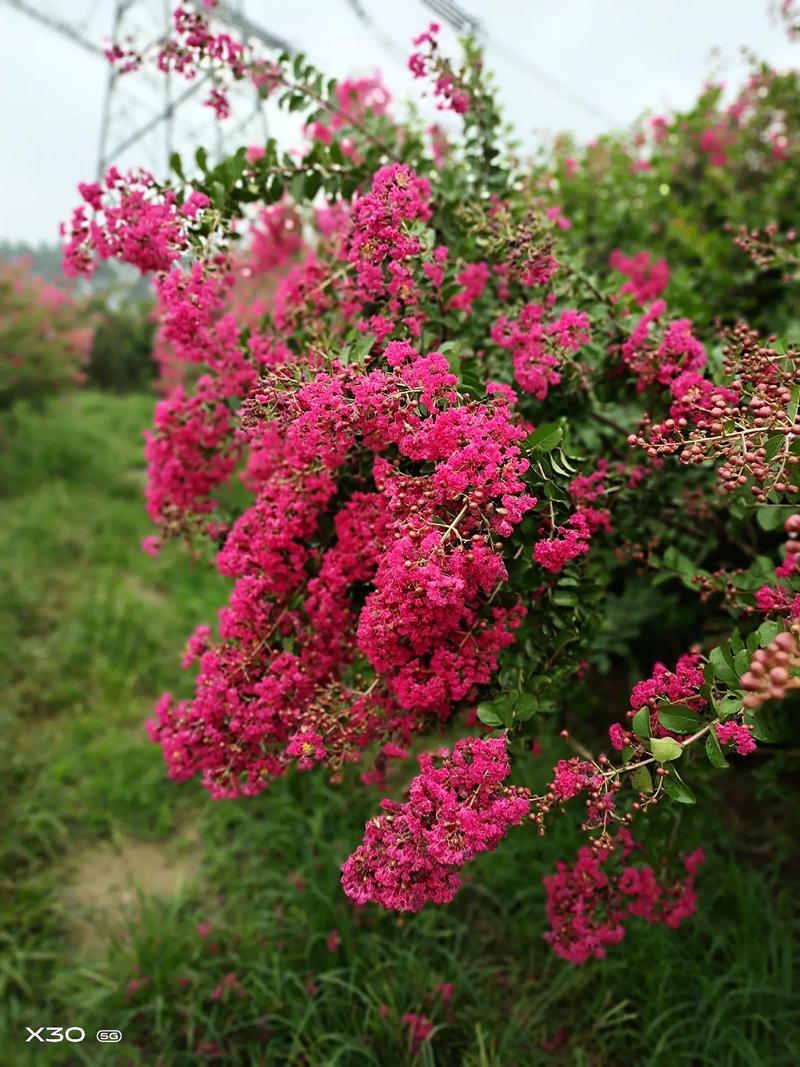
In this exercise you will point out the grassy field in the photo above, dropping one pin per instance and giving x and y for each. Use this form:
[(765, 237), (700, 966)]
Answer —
[(203, 930)]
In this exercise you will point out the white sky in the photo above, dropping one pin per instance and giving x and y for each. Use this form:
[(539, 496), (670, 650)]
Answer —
[(617, 57)]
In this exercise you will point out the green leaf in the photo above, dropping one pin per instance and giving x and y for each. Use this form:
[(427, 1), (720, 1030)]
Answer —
[(505, 708), (362, 348), (176, 165), (773, 445), (767, 632), (766, 726), (729, 705), (336, 153), (218, 194), (560, 465), (794, 403), (714, 751), (298, 65), (471, 381), (724, 669), (487, 714), (770, 518), (234, 167), (275, 190), (675, 787), (201, 159), (741, 662), (665, 748), (678, 718), (565, 599), (312, 184), (675, 561), (525, 707), (761, 570), (296, 185), (545, 437), (451, 353), (641, 722), (641, 780)]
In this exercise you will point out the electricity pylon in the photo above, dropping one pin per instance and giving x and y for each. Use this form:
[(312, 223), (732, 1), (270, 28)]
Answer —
[(157, 113)]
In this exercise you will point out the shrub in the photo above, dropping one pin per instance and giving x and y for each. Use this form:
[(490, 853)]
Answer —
[(699, 190), (475, 433), (121, 358), (44, 336)]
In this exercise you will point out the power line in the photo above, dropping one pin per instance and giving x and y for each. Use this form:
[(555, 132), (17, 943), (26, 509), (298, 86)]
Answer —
[(87, 18), (59, 25), (462, 22), (386, 42), (455, 17), (248, 28), (559, 87)]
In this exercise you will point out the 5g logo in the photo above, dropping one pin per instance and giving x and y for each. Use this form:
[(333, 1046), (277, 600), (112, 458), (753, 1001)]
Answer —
[(74, 1034), (109, 1036)]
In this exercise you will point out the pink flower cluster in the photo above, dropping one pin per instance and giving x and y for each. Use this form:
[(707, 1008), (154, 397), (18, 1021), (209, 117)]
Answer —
[(714, 141), (665, 686), (383, 492), (647, 278), (449, 89), (589, 901), (190, 452), (380, 217), (472, 279), (307, 748), (420, 1029), (589, 488), (733, 425), (697, 402), (570, 540), (676, 352), (131, 221), (457, 807), (736, 734), (383, 243), (356, 98), (275, 239), (194, 46), (539, 347), (46, 335), (423, 547), (572, 777), (778, 601)]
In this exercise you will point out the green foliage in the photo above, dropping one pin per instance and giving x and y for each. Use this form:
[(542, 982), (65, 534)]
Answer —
[(121, 358), (44, 336), (670, 196)]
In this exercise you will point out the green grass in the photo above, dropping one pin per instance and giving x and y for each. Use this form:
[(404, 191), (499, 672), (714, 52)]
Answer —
[(90, 632)]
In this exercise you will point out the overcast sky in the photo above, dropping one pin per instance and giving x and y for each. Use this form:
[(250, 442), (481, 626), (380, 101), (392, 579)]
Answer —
[(578, 65)]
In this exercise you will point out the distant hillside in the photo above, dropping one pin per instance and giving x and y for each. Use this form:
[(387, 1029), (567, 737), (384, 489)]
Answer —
[(46, 260)]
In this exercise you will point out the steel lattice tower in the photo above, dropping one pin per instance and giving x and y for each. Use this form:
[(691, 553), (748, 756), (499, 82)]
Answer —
[(152, 112)]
